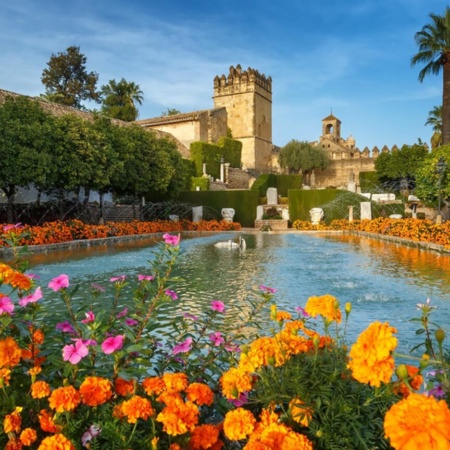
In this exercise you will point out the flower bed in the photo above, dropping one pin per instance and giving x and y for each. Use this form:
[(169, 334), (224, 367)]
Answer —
[(413, 229), (102, 375)]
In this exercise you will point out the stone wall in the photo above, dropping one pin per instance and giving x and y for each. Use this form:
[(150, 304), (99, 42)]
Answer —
[(338, 172), (238, 179)]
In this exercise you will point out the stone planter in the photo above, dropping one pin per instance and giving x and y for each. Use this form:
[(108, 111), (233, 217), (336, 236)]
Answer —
[(274, 224)]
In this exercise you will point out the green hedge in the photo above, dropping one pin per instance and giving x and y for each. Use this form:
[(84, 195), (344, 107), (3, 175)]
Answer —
[(335, 204), (264, 182), (210, 154), (201, 182), (282, 182), (369, 182), (243, 202)]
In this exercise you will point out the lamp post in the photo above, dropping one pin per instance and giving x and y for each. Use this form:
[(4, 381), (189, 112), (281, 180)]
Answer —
[(404, 192), (440, 169)]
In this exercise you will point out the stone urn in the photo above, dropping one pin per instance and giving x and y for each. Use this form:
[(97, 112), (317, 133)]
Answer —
[(316, 215), (228, 214)]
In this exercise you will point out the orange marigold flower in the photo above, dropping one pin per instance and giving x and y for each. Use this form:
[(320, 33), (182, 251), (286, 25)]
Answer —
[(283, 315), (5, 377), (124, 387), (38, 337), (13, 421), (137, 408), (265, 351), (200, 393), (10, 353), (117, 412), (234, 382), (326, 305), (95, 391), (153, 385), (40, 389), (169, 397), (28, 436), (46, 422), (65, 398), (415, 381), (371, 358), (35, 370), (14, 444), (299, 412), (56, 442), (418, 422), (204, 437), (175, 447), (238, 424), (296, 441), (18, 280), (178, 417), (175, 382)]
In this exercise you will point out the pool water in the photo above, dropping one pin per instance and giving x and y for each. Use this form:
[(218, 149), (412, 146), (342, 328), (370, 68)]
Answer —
[(383, 281)]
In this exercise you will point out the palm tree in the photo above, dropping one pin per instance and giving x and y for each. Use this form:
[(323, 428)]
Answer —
[(435, 119), (434, 50), (120, 99)]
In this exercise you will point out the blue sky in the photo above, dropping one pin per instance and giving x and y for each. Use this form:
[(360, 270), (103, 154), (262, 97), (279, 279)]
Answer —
[(351, 57)]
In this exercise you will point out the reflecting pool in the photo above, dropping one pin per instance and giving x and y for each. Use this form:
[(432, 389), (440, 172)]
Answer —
[(383, 281)]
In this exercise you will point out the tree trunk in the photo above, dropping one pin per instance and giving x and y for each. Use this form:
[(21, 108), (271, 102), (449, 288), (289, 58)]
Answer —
[(446, 102), (10, 191)]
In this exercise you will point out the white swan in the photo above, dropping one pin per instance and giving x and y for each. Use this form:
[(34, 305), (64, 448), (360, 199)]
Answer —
[(230, 244)]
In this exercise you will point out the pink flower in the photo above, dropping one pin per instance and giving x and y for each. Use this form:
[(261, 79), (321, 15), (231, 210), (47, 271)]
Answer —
[(267, 289), (170, 239), (97, 288), (75, 352), (37, 295), (91, 433), (183, 347), (90, 317), (65, 327), (216, 338), (6, 306), (218, 306), (190, 316), (111, 344), (302, 311), (120, 278), (172, 294), (17, 226), (229, 346), (58, 283), (146, 277), (122, 313), (131, 322), (241, 400)]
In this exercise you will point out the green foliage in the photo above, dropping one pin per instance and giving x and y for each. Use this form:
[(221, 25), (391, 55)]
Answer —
[(67, 81), (119, 100), (26, 132), (369, 181), (404, 163), (170, 112), (346, 414), (427, 178), (264, 182), (211, 154), (286, 182), (243, 202), (201, 182), (300, 155), (334, 203)]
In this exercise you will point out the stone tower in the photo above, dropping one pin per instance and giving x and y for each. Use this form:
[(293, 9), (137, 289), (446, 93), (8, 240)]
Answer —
[(247, 97), (331, 128)]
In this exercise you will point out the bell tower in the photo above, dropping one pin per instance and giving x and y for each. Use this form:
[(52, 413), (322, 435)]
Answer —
[(247, 97), (331, 128)]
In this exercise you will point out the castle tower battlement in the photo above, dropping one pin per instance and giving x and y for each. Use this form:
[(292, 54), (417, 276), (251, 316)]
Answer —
[(247, 97)]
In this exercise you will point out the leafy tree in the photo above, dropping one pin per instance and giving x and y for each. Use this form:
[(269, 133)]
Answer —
[(435, 120), (119, 100), (146, 166), (434, 51), (170, 112), (300, 155), (25, 142), (67, 80), (427, 177), (73, 157), (394, 166)]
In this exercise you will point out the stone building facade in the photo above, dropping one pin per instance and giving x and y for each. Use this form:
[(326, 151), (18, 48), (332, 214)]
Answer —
[(247, 97)]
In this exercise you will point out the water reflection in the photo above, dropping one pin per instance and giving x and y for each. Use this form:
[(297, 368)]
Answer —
[(383, 281)]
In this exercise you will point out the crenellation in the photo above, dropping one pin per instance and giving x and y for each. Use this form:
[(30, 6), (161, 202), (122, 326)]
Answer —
[(238, 76)]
